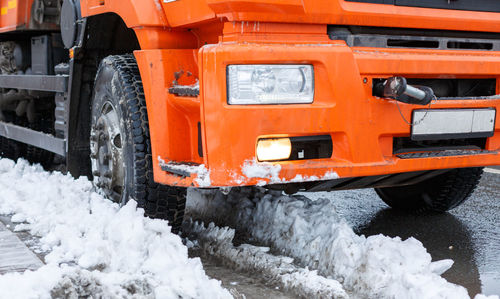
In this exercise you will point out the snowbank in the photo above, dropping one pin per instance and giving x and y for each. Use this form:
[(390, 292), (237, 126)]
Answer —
[(218, 242), (313, 234), (95, 247)]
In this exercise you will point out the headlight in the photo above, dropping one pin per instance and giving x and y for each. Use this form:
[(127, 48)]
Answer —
[(270, 84)]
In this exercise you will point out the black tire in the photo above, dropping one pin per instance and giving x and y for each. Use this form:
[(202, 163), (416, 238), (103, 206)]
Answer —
[(438, 194), (118, 86), (9, 148), (44, 123), (14, 150)]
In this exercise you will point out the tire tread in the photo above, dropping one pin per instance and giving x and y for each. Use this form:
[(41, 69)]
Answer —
[(158, 201), (435, 195)]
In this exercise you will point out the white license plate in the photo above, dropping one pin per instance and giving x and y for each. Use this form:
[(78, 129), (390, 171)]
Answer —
[(452, 123)]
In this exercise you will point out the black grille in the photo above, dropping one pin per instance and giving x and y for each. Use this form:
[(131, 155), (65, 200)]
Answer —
[(451, 89), (381, 37), (405, 145)]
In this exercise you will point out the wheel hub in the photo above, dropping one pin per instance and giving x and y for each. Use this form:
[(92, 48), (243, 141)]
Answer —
[(106, 153)]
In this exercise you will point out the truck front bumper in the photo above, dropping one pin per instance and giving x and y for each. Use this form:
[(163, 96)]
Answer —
[(362, 127)]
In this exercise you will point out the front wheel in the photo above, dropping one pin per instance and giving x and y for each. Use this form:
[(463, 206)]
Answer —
[(120, 145), (437, 194)]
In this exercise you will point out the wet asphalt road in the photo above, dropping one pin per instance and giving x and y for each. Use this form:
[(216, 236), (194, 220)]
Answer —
[(469, 234)]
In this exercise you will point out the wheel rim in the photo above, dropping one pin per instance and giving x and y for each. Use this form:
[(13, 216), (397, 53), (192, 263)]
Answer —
[(106, 148)]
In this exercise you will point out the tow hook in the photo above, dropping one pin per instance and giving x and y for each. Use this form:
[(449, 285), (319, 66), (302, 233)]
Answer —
[(398, 89)]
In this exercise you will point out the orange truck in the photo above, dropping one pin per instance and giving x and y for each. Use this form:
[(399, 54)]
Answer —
[(149, 97)]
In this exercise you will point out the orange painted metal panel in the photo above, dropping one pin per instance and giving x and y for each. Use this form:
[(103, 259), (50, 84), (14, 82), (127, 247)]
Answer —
[(173, 120), (133, 12), (352, 13), (361, 126), (195, 13), (154, 20), (343, 107), (187, 12), (159, 38), (14, 14), (260, 32), (148, 20)]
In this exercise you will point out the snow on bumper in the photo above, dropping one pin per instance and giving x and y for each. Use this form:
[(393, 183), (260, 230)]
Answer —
[(251, 172)]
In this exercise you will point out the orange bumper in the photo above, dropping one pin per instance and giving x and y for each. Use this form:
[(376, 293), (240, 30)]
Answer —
[(362, 127)]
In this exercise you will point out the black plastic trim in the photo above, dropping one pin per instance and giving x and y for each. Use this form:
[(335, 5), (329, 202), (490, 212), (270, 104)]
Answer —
[(378, 181), (452, 136), (200, 141)]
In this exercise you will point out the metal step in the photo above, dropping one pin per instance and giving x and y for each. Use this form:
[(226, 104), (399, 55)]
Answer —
[(32, 137), (50, 83), (180, 169), (185, 90)]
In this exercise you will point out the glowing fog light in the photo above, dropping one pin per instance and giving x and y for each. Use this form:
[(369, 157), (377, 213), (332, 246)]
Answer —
[(274, 149)]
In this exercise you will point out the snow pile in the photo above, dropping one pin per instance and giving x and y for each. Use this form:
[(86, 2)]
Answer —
[(95, 247), (218, 242), (313, 234)]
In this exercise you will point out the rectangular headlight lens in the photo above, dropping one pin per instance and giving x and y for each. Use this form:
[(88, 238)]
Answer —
[(270, 84)]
